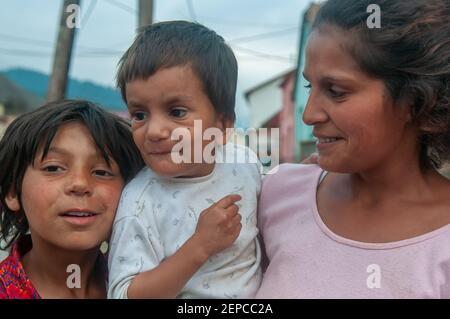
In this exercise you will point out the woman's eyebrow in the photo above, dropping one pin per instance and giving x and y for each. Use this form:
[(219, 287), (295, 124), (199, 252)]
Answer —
[(332, 78)]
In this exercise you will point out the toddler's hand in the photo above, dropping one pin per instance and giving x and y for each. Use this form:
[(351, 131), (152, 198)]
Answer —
[(219, 225)]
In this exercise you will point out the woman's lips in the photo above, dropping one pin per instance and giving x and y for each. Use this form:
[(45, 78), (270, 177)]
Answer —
[(324, 143)]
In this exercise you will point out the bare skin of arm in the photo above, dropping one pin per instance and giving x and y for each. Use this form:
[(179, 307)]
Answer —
[(217, 228)]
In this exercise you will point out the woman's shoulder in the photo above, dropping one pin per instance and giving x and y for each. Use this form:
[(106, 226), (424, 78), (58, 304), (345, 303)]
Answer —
[(292, 175), (291, 187)]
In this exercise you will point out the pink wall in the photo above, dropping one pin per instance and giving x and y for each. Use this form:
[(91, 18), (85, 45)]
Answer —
[(287, 119)]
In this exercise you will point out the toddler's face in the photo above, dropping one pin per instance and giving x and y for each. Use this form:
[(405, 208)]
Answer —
[(70, 197), (170, 99)]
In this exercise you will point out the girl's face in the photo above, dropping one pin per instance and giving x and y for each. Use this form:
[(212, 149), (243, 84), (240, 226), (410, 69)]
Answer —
[(70, 197), (357, 125)]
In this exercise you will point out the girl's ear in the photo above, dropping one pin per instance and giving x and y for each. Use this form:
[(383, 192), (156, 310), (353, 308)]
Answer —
[(12, 201)]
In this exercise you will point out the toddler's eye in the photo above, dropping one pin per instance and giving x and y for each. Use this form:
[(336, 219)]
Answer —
[(178, 112), (138, 116), (103, 173)]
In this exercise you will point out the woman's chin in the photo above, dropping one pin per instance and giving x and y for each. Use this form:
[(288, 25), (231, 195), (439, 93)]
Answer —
[(329, 164)]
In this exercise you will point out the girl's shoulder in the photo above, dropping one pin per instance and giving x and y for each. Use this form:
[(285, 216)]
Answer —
[(14, 283)]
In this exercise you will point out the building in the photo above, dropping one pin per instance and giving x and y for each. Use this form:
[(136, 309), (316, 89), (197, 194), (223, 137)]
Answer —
[(272, 107), (304, 140)]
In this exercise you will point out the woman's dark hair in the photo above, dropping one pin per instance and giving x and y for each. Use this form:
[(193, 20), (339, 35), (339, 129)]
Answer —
[(410, 52), (30, 132)]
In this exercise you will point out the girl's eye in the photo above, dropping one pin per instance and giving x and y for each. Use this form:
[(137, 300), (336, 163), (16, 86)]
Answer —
[(138, 116), (178, 112), (52, 168)]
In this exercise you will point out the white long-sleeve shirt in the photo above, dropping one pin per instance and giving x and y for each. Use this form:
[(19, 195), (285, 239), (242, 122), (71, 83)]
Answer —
[(156, 216)]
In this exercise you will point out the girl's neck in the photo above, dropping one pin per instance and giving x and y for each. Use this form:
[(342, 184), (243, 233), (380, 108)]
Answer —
[(47, 266)]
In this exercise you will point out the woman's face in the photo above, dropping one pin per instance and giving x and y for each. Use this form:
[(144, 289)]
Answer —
[(355, 121)]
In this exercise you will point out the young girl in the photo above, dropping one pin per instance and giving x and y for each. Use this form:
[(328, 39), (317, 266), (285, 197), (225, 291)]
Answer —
[(372, 220), (63, 168)]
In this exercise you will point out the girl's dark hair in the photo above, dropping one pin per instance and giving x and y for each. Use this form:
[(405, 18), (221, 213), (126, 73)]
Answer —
[(178, 43), (31, 131), (410, 52)]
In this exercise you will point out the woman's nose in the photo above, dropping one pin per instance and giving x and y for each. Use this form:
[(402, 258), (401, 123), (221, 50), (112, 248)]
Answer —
[(314, 112)]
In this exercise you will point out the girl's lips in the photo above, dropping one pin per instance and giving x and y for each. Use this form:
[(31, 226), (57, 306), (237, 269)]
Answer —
[(80, 221), (79, 217)]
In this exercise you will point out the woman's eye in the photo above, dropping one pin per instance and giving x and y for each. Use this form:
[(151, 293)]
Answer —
[(178, 112), (139, 116), (336, 93)]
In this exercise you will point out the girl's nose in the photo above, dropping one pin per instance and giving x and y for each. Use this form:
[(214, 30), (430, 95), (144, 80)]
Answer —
[(79, 184)]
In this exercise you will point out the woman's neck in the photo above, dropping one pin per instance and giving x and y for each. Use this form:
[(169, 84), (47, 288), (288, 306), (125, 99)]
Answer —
[(47, 266), (399, 174)]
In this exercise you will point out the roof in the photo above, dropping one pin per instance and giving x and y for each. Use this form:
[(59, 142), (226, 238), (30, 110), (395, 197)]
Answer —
[(270, 80)]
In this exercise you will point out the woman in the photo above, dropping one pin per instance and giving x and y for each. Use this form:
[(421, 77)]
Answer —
[(372, 220)]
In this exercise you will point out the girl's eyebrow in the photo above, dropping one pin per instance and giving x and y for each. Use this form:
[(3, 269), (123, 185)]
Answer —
[(61, 151), (58, 150)]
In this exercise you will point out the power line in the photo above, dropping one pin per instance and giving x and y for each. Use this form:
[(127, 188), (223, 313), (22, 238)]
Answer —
[(122, 6), (49, 44), (88, 13), (232, 22), (26, 53), (263, 35), (29, 40), (263, 55), (191, 10)]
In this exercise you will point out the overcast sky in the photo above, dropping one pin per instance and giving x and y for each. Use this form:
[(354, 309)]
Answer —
[(262, 33)]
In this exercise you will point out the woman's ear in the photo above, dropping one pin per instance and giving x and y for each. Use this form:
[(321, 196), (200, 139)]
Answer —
[(12, 201)]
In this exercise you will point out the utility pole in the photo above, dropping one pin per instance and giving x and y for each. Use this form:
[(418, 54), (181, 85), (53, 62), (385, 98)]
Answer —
[(69, 22), (145, 13)]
